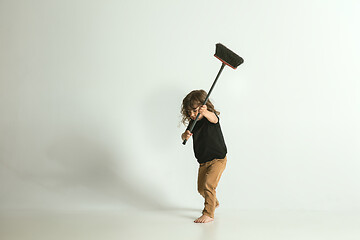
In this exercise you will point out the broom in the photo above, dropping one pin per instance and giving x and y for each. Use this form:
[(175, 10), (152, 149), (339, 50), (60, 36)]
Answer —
[(227, 57)]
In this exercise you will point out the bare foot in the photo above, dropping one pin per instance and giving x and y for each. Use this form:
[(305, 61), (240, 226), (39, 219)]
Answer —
[(204, 219)]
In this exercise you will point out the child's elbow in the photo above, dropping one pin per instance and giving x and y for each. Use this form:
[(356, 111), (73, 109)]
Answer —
[(215, 120)]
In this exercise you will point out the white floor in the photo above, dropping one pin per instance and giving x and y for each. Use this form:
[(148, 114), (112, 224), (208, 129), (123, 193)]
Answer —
[(175, 224)]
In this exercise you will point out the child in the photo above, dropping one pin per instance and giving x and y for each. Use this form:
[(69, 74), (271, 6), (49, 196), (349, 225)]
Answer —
[(209, 148)]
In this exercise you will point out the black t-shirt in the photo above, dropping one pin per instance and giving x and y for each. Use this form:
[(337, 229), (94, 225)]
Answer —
[(208, 141)]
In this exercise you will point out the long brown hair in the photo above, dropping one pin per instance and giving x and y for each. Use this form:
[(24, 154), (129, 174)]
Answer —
[(194, 99)]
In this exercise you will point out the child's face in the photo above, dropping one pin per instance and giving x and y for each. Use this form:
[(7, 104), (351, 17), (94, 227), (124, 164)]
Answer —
[(194, 112)]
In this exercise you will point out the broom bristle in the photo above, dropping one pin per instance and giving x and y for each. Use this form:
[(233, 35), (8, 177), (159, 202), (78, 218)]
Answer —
[(227, 56)]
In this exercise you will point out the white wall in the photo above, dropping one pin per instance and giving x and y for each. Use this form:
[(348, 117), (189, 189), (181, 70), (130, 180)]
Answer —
[(90, 93)]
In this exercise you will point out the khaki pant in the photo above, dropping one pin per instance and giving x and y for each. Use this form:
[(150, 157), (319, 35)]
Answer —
[(208, 179)]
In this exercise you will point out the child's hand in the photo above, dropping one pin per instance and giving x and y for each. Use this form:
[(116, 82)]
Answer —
[(209, 115), (203, 110), (186, 135)]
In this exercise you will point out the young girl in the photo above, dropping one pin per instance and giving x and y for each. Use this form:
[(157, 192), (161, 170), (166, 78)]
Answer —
[(209, 148)]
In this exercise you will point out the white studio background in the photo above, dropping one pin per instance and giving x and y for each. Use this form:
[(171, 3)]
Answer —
[(90, 94)]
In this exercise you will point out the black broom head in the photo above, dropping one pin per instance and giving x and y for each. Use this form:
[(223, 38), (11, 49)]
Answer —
[(227, 56)]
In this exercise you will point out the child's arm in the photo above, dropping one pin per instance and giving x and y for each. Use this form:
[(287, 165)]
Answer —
[(211, 117)]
